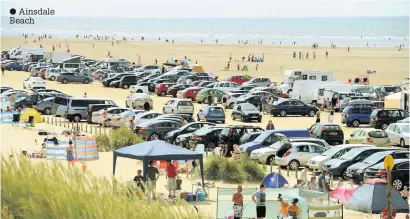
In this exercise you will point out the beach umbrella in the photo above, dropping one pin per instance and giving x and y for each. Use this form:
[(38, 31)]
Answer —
[(274, 180), (342, 193)]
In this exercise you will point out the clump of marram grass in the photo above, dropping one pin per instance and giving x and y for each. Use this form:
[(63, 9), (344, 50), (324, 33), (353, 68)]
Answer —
[(118, 138), (50, 190)]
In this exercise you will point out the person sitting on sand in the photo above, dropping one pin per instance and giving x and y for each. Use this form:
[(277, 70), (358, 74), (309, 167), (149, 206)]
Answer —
[(236, 153)]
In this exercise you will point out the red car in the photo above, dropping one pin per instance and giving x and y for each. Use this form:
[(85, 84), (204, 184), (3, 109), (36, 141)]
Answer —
[(162, 88), (190, 93), (239, 79)]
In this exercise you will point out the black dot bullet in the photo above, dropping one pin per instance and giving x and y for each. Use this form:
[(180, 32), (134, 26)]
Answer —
[(12, 11)]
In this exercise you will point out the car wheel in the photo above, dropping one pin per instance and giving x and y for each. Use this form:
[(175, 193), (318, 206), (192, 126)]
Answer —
[(210, 146), (270, 160), (355, 123), (52, 78), (86, 81), (11, 69), (294, 164), (153, 137), (65, 81), (163, 93), (311, 113), (233, 117), (125, 86), (402, 143), (140, 91), (107, 123), (231, 105), (346, 142), (397, 184), (384, 126), (349, 124), (77, 118), (343, 174), (282, 113), (47, 111)]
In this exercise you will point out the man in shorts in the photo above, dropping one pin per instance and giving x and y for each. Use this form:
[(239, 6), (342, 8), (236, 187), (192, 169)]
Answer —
[(153, 175), (260, 198), (172, 176)]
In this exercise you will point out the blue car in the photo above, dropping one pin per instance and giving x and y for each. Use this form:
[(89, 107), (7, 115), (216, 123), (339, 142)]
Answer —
[(356, 115), (211, 114), (15, 66), (270, 137)]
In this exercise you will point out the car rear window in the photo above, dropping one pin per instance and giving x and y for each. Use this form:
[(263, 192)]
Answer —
[(378, 134), (332, 128), (185, 103)]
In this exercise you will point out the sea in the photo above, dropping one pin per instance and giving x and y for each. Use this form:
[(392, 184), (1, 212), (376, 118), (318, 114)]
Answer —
[(346, 31)]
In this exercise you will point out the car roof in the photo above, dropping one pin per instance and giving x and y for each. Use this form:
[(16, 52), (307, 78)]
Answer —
[(327, 123), (304, 143), (305, 139)]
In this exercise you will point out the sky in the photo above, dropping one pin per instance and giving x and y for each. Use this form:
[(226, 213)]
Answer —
[(214, 8)]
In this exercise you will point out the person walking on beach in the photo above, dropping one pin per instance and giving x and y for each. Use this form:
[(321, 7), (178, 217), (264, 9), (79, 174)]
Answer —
[(256, 67), (132, 123), (294, 54), (283, 206), (327, 53), (314, 55), (260, 198), (322, 186), (237, 200), (153, 175), (331, 117), (85, 95), (348, 48), (318, 116), (228, 65), (300, 55), (239, 67), (307, 55), (3, 68), (172, 176)]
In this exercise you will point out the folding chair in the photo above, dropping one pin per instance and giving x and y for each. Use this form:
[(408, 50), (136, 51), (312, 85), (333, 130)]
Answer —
[(16, 120)]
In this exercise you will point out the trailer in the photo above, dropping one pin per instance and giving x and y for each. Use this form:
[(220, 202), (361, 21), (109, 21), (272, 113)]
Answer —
[(56, 57)]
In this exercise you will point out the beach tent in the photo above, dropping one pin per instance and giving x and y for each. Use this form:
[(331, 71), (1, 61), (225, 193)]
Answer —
[(197, 68), (31, 112), (392, 100), (157, 150), (371, 197), (342, 194), (274, 180)]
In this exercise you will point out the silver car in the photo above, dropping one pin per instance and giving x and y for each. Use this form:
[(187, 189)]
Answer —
[(228, 100), (99, 117), (123, 119), (44, 106), (299, 155), (399, 134)]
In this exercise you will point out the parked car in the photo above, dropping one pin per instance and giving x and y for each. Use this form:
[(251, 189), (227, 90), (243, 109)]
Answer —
[(270, 90), (106, 82), (270, 137), (143, 87), (316, 163), (244, 87), (249, 137), (141, 100), (369, 136), (299, 155), (102, 118), (67, 77), (123, 119), (225, 86), (268, 153), (5, 88), (189, 93), (232, 134), (203, 95), (162, 88), (207, 136), (285, 107), (259, 82), (15, 66), (246, 112), (229, 99), (238, 79), (399, 134), (330, 132), (53, 73), (34, 82), (174, 89), (205, 83), (128, 80), (382, 118), (356, 171), (44, 106), (91, 108), (356, 115), (252, 99), (145, 117), (338, 166), (156, 129), (399, 173), (149, 69), (211, 114), (406, 120), (187, 128), (184, 106)]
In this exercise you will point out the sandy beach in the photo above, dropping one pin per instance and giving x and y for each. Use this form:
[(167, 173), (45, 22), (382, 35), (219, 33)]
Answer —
[(390, 64)]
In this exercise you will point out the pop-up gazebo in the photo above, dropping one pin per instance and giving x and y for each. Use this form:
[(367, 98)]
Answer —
[(157, 150)]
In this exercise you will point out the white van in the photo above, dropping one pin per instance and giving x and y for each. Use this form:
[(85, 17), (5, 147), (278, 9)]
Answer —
[(114, 62), (307, 91), (365, 90), (303, 75), (328, 90), (336, 98), (71, 67), (74, 108)]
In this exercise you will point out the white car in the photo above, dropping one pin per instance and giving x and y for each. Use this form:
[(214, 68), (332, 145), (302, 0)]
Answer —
[(149, 69), (228, 100), (399, 134), (139, 100), (316, 163), (180, 106), (299, 155), (123, 119), (34, 82), (139, 89), (225, 86), (99, 118), (144, 117), (52, 73)]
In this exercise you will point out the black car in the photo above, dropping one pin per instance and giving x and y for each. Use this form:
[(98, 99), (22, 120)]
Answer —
[(232, 134), (46, 90), (188, 128), (248, 137), (330, 132), (254, 100), (400, 173), (107, 82), (208, 136), (173, 90), (356, 171), (381, 118), (285, 107), (338, 166), (94, 108), (127, 81), (148, 77), (115, 84), (156, 129)]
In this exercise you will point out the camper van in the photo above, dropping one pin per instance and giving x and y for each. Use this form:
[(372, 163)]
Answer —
[(303, 75), (114, 62), (365, 90), (74, 108), (71, 64), (308, 91), (21, 53)]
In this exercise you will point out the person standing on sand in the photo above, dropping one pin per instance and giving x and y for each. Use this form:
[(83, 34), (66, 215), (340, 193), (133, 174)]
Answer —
[(132, 124), (172, 176), (69, 152), (294, 54), (307, 55), (300, 55), (239, 67), (85, 95), (318, 116), (237, 200), (256, 67), (348, 48), (3, 68), (331, 117), (327, 53), (314, 55), (270, 125), (260, 198), (153, 175)]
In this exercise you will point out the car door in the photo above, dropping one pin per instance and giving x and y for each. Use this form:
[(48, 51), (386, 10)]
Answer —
[(365, 115), (303, 154), (235, 112), (313, 151), (168, 106), (355, 137), (299, 108), (403, 172), (393, 136), (393, 116)]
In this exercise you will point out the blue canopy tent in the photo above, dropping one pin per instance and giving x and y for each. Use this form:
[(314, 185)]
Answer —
[(274, 180), (157, 150)]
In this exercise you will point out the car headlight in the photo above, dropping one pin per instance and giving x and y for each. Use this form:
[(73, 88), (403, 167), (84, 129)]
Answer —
[(312, 162), (360, 171)]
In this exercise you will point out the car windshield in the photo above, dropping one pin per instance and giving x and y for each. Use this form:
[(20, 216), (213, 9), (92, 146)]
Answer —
[(216, 110), (351, 154), (248, 107), (365, 89), (262, 137), (332, 151), (374, 158)]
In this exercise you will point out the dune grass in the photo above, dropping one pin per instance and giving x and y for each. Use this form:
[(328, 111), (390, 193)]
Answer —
[(118, 138), (51, 190)]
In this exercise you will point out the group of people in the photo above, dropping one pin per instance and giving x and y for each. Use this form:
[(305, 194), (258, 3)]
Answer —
[(307, 55)]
